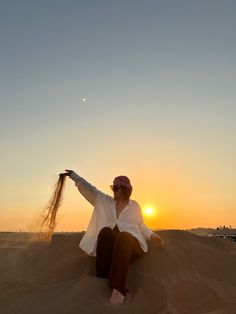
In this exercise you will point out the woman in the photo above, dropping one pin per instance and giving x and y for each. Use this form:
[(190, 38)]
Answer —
[(116, 234)]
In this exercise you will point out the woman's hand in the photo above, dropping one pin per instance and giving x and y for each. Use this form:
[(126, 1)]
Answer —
[(67, 173), (155, 238)]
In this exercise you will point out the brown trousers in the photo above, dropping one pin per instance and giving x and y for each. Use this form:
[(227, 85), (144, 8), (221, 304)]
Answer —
[(115, 250)]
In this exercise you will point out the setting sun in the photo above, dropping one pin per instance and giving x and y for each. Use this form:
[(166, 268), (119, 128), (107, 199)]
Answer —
[(149, 211)]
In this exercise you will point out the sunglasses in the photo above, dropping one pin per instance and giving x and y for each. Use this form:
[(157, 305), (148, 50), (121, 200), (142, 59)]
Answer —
[(115, 188)]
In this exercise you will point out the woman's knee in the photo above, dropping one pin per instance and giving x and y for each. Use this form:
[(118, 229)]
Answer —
[(106, 231)]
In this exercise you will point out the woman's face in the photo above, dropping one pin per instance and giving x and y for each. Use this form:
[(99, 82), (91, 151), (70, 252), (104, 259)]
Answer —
[(118, 192)]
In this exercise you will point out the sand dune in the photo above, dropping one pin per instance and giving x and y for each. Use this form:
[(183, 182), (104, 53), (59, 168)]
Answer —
[(191, 275)]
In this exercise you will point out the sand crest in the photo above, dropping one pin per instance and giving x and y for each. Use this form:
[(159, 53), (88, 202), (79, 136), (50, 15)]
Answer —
[(191, 275)]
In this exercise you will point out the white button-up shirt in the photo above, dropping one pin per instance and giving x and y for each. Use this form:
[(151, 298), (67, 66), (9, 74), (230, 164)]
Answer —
[(104, 215)]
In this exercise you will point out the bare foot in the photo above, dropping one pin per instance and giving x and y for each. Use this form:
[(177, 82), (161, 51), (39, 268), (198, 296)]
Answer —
[(117, 297)]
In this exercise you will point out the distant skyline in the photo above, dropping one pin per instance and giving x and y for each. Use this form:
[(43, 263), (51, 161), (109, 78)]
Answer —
[(145, 89)]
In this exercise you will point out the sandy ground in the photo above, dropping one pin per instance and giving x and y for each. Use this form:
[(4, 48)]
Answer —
[(192, 274)]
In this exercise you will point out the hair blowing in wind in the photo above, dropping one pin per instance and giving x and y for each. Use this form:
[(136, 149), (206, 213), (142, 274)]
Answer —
[(50, 215)]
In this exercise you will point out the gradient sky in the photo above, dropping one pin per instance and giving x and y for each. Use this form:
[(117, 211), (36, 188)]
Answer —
[(160, 82)]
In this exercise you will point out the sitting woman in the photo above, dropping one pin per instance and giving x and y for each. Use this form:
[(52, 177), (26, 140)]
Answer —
[(116, 233)]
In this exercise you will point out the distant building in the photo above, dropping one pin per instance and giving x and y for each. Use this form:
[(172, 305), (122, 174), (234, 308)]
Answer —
[(230, 237)]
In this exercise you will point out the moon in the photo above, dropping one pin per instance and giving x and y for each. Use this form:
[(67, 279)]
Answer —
[(84, 99)]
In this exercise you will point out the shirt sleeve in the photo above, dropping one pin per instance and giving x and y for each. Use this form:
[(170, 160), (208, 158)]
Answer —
[(146, 232), (89, 191)]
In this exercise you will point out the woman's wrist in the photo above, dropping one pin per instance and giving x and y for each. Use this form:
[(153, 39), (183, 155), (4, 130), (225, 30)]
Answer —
[(155, 236), (157, 239)]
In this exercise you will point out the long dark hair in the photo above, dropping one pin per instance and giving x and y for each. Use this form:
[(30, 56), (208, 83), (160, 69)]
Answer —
[(49, 217)]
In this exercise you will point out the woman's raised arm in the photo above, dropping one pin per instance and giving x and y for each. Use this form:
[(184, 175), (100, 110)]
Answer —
[(86, 189)]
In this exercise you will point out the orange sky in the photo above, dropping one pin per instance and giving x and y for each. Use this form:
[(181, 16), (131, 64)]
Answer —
[(177, 195)]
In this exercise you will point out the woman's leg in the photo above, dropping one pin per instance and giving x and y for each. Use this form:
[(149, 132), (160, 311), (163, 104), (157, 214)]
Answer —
[(126, 249), (105, 242)]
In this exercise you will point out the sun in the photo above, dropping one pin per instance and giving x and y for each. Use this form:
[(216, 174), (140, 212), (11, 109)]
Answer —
[(149, 211)]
